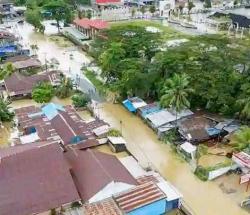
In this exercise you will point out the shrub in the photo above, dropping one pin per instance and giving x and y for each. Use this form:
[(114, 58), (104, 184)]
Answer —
[(114, 133), (43, 92), (80, 100), (201, 173)]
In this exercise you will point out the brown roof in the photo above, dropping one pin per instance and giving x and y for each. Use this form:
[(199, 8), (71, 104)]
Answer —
[(65, 125), (85, 144), (105, 207), (18, 84), (94, 170), (139, 196), (35, 181), (17, 58), (196, 127), (27, 63)]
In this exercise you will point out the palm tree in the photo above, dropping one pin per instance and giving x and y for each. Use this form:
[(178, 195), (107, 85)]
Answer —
[(176, 91), (7, 71), (241, 139), (245, 102)]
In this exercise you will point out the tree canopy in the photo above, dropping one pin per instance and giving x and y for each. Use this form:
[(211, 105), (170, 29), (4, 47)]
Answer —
[(43, 92), (5, 114), (135, 61)]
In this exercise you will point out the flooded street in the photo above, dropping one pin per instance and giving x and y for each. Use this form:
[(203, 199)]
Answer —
[(205, 198)]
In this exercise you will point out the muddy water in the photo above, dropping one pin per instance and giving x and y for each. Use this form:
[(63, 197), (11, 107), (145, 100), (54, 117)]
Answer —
[(205, 198)]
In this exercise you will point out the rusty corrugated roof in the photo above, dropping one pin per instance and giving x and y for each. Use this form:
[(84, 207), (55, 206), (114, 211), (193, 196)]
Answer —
[(105, 207), (139, 196)]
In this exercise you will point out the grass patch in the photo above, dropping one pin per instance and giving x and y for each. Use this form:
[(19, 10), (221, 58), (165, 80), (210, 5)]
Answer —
[(100, 86), (166, 32), (61, 41)]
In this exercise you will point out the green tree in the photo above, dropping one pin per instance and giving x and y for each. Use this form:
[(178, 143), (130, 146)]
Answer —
[(207, 4), (143, 9), (43, 92), (241, 139), (65, 88), (60, 10), (7, 70), (133, 11), (190, 6), (5, 114), (244, 102), (33, 16), (80, 100), (152, 9), (110, 59), (176, 91)]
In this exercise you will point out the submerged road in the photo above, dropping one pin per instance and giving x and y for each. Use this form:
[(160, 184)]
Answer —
[(205, 198)]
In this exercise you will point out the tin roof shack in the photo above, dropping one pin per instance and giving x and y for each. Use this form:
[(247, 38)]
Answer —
[(98, 175), (163, 120), (90, 27), (132, 104), (148, 109), (188, 150), (195, 129), (34, 179), (18, 85), (101, 132), (117, 144), (57, 123)]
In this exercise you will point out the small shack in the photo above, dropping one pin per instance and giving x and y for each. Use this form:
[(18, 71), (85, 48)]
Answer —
[(101, 131), (195, 129), (188, 150), (147, 109), (132, 104), (117, 144)]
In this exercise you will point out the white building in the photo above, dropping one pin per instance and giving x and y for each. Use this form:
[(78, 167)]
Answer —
[(165, 7)]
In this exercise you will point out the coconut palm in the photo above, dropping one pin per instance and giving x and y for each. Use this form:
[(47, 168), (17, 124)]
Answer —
[(176, 91), (241, 139), (245, 102)]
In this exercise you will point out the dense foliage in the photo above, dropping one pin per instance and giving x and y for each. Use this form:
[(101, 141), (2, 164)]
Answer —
[(80, 100), (5, 114), (65, 88), (38, 10), (43, 92), (218, 68), (241, 139)]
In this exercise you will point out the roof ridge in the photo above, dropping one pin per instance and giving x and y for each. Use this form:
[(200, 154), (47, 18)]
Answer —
[(100, 164)]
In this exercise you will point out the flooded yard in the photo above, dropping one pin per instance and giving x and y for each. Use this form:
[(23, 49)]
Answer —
[(205, 198)]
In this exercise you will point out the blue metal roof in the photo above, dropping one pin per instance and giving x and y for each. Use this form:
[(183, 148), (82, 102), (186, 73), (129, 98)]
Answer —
[(51, 110), (128, 104)]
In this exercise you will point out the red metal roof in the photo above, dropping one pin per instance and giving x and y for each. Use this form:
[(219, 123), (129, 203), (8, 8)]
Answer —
[(35, 181), (139, 196), (105, 207), (107, 1), (91, 23)]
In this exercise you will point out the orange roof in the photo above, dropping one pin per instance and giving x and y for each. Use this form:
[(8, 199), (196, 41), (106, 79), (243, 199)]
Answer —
[(91, 23), (105, 207), (139, 196)]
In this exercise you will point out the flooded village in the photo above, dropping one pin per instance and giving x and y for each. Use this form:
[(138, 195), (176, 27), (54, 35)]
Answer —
[(89, 123)]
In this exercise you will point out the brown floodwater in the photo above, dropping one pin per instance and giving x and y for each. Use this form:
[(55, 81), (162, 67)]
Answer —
[(205, 198)]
